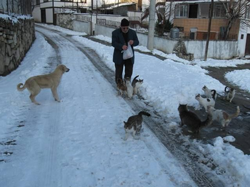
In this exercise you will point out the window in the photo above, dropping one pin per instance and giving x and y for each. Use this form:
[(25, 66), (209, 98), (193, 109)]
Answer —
[(193, 10), (219, 11), (181, 11), (204, 10)]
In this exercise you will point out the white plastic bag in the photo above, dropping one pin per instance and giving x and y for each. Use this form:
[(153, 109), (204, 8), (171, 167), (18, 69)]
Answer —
[(128, 53)]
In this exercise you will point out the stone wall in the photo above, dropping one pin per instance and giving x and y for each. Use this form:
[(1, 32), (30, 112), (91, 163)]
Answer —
[(16, 37)]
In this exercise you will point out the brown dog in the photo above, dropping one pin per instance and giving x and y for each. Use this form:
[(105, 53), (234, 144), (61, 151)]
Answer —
[(36, 83)]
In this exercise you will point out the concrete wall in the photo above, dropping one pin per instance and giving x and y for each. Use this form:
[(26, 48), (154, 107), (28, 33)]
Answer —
[(81, 26), (16, 37), (217, 49), (75, 22), (159, 43)]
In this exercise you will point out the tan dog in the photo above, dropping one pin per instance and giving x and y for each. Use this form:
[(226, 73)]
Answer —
[(36, 83)]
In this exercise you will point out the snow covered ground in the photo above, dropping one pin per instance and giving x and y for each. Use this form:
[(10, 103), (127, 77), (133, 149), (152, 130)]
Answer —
[(79, 142), (240, 77)]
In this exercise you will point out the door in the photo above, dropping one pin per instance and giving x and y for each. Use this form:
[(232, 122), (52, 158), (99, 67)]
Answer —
[(43, 15), (247, 49)]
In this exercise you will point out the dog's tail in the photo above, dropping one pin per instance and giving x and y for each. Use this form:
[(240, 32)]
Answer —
[(21, 87), (235, 114), (144, 113)]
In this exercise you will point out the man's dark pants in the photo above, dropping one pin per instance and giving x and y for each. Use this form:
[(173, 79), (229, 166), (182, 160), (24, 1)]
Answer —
[(128, 69)]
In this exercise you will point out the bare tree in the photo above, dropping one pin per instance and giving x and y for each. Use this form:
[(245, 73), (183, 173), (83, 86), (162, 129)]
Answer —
[(169, 9), (235, 10), (209, 27)]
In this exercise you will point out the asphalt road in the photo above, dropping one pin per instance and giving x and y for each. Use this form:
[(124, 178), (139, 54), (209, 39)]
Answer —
[(240, 126)]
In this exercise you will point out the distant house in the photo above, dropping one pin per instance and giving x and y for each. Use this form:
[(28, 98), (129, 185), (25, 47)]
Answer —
[(45, 10), (192, 17)]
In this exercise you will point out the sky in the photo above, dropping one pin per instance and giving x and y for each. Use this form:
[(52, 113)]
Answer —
[(80, 141)]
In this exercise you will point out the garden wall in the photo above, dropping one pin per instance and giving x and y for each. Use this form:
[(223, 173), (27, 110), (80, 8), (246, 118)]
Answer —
[(16, 37)]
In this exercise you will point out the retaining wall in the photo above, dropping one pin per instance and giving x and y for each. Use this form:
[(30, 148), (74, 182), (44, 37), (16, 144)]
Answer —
[(16, 37)]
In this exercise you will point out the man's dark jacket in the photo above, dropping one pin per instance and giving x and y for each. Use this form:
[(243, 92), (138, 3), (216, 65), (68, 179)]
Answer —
[(118, 41)]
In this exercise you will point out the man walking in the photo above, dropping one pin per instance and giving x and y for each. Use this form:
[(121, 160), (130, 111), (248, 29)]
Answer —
[(120, 39)]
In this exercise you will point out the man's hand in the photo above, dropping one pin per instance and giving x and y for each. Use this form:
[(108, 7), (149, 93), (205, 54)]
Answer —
[(124, 47), (131, 42)]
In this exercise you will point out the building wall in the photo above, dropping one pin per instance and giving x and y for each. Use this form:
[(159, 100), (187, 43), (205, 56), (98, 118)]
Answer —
[(49, 16), (202, 25), (37, 14), (242, 41)]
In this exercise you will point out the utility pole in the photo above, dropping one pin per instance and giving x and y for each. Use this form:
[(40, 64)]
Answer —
[(91, 23), (96, 11), (209, 27), (12, 6), (151, 28), (77, 6), (7, 4), (53, 13)]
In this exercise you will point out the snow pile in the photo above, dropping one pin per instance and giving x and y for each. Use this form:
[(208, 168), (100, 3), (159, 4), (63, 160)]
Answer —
[(240, 78), (234, 165)]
